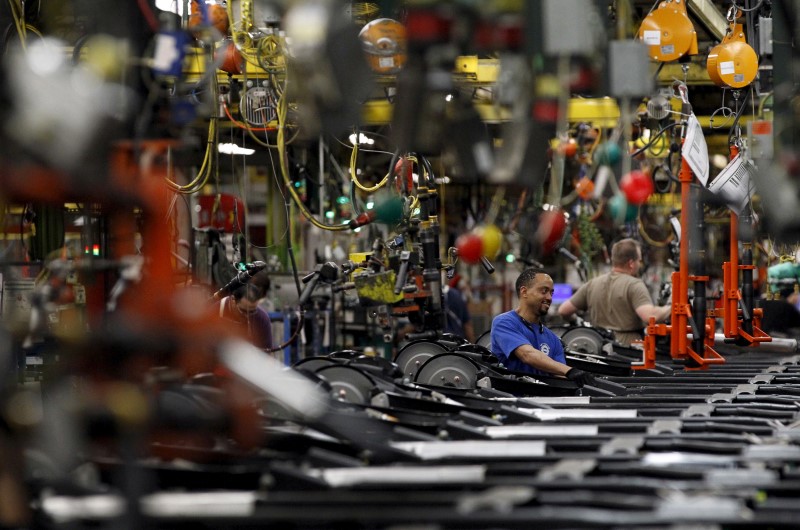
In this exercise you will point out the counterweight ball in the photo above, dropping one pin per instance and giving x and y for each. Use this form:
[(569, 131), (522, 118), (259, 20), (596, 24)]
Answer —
[(552, 225), (492, 239), (607, 154), (404, 172), (637, 187), (584, 188), (389, 211), (470, 248), (622, 212)]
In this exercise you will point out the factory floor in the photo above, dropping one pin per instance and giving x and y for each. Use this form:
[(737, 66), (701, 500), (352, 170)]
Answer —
[(716, 447)]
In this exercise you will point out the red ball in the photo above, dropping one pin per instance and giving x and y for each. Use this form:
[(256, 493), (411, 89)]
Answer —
[(404, 171), (470, 248), (552, 225), (637, 187)]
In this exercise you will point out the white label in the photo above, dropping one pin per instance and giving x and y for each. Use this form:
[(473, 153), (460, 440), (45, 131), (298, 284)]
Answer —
[(652, 38), (166, 52), (726, 67), (386, 62), (695, 150)]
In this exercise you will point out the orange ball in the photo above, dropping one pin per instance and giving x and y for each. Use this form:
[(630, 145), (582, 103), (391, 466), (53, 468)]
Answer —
[(584, 188), (569, 148)]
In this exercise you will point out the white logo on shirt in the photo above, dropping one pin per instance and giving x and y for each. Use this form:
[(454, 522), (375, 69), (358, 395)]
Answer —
[(544, 348)]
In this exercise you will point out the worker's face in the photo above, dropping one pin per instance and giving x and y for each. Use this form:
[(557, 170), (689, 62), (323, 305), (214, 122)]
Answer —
[(246, 307), (539, 294)]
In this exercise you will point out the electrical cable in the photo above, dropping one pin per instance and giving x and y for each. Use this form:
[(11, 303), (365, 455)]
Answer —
[(754, 8), (282, 110), (245, 126), (354, 178), (203, 174), (739, 113), (295, 276), (361, 149), (428, 170), (643, 232), (655, 138), (19, 21), (670, 179)]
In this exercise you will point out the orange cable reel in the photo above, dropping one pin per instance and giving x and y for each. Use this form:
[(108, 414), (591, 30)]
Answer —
[(384, 43), (668, 32), (732, 63)]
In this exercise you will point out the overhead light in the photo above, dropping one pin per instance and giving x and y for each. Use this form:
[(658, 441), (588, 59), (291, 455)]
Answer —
[(233, 149), (363, 139)]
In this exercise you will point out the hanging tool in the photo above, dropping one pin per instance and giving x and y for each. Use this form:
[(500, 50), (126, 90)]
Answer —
[(668, 32), (732, 63)]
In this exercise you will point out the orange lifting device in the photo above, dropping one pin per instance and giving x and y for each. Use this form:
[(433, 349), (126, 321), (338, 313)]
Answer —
[(700, 354), (732, 63), (668, 32)]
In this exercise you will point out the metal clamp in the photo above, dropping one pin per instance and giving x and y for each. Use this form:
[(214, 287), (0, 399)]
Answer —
[(570, 468), (698, 411), (665, 427), (628, 445)]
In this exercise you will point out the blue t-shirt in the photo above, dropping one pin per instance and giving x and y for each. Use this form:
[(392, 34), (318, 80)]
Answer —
[(510, 332)]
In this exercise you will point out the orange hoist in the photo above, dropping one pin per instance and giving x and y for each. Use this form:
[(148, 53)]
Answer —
[(668, 32), (732, 63)]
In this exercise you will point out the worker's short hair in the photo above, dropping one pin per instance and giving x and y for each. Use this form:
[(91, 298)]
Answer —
[(249, 291), (623, 251), (527, 276)]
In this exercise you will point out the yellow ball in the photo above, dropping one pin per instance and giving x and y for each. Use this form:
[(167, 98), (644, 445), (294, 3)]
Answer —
[(492, 239)]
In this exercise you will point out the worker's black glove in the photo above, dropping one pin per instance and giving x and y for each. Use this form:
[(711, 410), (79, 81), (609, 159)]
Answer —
[(580, 377)]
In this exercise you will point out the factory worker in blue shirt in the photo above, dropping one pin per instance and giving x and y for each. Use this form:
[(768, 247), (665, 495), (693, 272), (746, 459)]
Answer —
[(522, 342)]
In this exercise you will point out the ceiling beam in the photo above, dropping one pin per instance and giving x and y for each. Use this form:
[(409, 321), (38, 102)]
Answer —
[(710, 16)]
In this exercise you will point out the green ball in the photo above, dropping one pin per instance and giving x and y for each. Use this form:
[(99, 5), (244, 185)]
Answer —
[(622, 212), (607, 154), (389, 211)]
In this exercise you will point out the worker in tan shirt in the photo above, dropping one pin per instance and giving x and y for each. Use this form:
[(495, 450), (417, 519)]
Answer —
[(618, 300)]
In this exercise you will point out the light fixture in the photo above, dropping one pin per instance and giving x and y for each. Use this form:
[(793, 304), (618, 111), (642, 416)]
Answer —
[(233, 149), (363, 139)]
